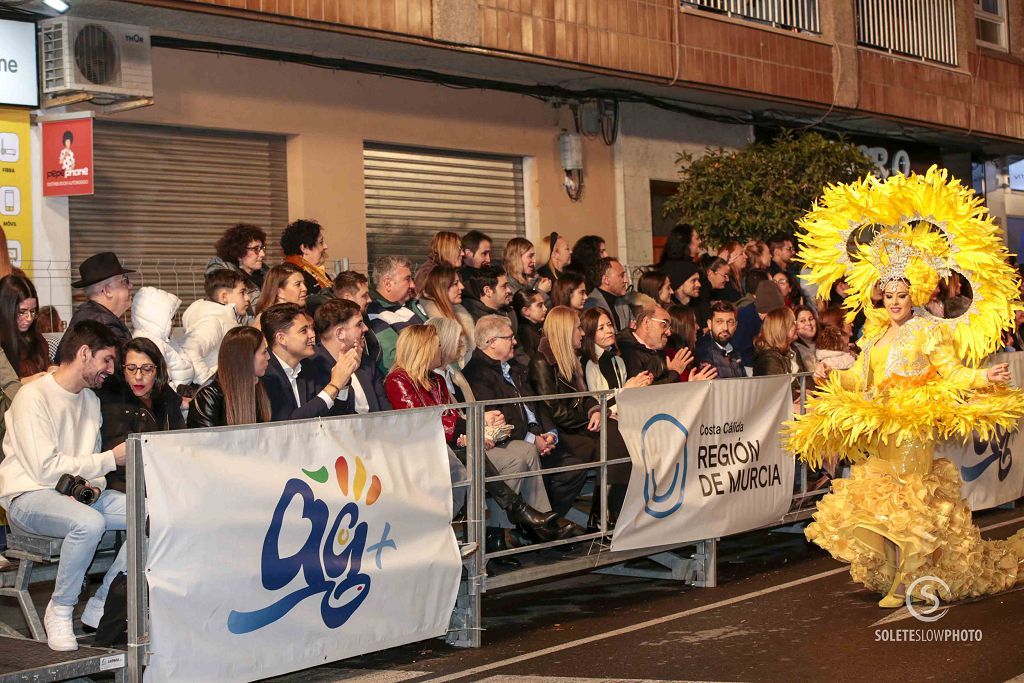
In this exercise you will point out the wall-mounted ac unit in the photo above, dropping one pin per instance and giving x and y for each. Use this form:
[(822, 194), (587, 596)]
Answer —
[(98, 60)]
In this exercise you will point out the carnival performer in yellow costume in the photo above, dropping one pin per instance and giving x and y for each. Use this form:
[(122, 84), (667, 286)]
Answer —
[(900, 516)]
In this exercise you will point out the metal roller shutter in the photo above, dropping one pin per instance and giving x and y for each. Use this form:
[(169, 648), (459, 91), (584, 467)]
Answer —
[(412, 193), (164, 195)]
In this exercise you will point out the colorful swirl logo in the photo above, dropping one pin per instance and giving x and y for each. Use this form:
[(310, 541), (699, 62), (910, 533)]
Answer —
[(331, 558)]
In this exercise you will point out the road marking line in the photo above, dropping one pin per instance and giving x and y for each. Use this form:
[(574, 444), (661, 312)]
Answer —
[(635, 627)]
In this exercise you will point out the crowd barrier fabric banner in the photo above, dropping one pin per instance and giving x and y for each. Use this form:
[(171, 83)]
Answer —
[(707, 460), (274, 548), (990, 474)]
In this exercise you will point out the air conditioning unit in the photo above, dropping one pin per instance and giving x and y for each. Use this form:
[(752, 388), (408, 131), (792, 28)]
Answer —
[(97, 60)]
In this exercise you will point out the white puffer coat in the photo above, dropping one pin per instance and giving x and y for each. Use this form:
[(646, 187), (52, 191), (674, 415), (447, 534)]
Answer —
[(206, 323), (152, 316)]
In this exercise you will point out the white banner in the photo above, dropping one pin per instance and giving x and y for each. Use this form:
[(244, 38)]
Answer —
[(274, 548), (707, 460), (990, 475)]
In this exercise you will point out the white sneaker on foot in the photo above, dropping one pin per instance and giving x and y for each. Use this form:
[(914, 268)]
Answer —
[(60, 631), (93, 613)]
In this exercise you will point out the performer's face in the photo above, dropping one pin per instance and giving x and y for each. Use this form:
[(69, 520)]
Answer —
[(896, 299)]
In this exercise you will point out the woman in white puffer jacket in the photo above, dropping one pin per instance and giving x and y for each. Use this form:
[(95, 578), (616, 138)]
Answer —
[(152, 317)]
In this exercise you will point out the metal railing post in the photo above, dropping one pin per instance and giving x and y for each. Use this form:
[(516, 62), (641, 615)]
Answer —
[(603, 475), (476, 520), (138, 638)]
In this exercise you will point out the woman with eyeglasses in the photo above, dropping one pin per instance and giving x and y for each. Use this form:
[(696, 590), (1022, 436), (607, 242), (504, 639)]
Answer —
[(144, 402), (243, 247), (23, 345)]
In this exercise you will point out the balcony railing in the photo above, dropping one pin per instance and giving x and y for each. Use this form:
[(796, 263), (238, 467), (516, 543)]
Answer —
[(918, 28), (800, 15)]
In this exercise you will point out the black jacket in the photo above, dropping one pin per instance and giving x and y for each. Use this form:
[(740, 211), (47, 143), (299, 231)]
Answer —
[(123, 414), (282, 398), (90, 310), (569, 414), (207, 408), (639, 358), (528, 335), (489, 384), (318, 369), (775, 362)]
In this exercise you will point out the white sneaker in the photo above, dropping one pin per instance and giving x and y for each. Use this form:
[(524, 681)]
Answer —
[(60, 631), (93, 613)]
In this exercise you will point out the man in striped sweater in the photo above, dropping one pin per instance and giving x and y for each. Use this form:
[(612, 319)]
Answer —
[(393, 307)]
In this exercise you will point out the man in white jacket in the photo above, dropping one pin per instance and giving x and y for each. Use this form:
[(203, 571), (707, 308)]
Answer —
[(53, 428), (207, 320)]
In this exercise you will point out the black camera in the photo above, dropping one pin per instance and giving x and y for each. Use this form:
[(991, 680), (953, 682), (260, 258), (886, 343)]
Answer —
[(76, 487)]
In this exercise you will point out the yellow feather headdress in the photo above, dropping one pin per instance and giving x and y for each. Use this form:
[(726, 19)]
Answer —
[(918, 228)]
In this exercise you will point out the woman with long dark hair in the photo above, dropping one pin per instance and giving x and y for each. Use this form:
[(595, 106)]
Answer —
[(284, 284), (441, 297), (24, 346), (235, 395), (570, 290), (144, 402)]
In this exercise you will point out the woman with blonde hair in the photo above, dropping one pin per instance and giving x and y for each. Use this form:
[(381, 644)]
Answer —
[(531, 510), (441, 296), (772, 352), (445, 250), (520, 260), (735, 255), (556, 369), (554, 255), (758, 255)]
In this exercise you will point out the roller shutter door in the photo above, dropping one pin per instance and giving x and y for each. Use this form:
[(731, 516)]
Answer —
[(412, 193), (164, 195)]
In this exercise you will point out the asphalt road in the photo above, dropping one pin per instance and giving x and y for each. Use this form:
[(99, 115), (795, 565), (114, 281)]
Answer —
[(783, 611)]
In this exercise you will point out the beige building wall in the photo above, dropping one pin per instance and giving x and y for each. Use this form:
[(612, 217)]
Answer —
[(650, 142), (327, 115)]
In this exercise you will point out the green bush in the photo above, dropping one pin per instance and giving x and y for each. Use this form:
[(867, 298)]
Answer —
[(755, 192)]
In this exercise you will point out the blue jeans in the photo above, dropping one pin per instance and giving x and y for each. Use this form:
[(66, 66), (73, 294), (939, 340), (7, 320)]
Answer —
[(48, 513)]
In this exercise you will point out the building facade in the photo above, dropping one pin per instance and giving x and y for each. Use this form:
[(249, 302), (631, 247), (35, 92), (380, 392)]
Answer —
[(389, 119)]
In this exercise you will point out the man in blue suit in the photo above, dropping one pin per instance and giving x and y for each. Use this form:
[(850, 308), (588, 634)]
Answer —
[(295, 394), (340, 326)]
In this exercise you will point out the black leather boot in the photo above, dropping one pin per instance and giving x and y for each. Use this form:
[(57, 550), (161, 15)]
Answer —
[(496, 543)]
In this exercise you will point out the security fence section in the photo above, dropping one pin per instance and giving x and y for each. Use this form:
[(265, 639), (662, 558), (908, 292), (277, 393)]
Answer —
[(926, 30), (284, 546), (707, 460)]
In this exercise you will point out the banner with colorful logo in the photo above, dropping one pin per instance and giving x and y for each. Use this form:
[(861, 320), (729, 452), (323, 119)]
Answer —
[(990, 474), (707, 460), (16, 186), (278, 547), (67, 157)]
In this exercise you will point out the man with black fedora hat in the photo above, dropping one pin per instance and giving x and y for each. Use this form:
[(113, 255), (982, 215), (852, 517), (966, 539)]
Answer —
[(109, 293)]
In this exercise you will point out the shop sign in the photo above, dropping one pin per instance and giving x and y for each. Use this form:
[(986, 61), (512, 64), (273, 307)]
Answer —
[(19, 84), (67, 157), (16, 185)]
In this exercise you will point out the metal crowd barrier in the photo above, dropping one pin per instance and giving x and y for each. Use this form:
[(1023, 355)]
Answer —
[(697, 569)]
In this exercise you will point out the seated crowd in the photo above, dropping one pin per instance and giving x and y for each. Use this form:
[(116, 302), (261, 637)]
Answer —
[(288, 342)]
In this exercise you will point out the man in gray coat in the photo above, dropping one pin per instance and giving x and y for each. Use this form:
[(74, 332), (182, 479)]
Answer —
[(610, 292)]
